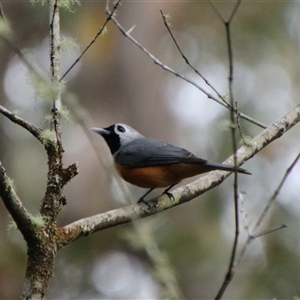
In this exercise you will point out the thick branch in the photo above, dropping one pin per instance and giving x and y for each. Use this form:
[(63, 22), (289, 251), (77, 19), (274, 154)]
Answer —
[(181, 195)]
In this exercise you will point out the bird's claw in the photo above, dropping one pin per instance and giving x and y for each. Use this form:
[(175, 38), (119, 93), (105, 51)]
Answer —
[(150, 204), (170, 195)]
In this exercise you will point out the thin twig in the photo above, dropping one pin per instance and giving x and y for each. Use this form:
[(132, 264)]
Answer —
[(93, 40), (276, 193), (230, 273), (262, 216), (168, 69), (188, 62), (234, 10), (269, 231), (238, 124), (216, 11)]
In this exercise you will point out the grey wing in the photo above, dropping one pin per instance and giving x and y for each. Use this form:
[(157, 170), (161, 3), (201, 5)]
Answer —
[(144, 152)]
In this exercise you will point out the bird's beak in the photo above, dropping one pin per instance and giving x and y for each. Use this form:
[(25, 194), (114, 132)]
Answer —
[(100, 131)]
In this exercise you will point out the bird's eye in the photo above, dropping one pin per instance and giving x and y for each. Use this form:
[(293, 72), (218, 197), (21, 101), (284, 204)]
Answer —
[(120, 128)]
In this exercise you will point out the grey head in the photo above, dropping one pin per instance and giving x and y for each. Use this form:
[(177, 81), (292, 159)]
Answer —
[(117, 135)]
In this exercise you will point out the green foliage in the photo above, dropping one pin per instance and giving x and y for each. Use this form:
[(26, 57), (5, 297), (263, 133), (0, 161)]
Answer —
[(246, 140), (9, 184), (47, 136), (104, 31), (38, 1), (43, 90), (168, 18), (64, 113), (68, 45), (4, 29), (38, 284), (38, 220), (67, 4), (12, 226)]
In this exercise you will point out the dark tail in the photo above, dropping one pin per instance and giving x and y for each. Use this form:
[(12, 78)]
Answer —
[(216, 166)]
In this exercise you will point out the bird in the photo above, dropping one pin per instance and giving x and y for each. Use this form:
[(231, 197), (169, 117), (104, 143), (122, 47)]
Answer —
[(150, 163)]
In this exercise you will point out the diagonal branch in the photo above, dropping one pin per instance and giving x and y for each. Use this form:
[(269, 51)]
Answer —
[(36, 132), (14, 205), (188, 62), (181, 195), (263, 214)]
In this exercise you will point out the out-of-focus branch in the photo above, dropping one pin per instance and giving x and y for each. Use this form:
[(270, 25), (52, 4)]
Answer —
[(7, 37), (181, 195), (100, 31)]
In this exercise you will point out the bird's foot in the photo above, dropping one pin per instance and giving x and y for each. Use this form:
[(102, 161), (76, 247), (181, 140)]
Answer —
[(150, 204), (170, 195)]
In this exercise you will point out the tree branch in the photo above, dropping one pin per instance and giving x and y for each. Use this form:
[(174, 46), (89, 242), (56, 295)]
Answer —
[(234, 125), (100, 31), (14, 205), (256, 232), (167, 25), (36, 132)]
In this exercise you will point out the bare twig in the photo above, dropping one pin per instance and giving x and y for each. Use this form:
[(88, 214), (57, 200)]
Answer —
[(230, 273), (188, 62), (262, 216), (276, 193), (234, 10), (251, 120), (93, 40), (168, 69), (265, 232)]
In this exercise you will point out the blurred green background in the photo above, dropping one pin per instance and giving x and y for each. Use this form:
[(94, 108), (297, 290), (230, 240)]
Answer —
[(116, 82)]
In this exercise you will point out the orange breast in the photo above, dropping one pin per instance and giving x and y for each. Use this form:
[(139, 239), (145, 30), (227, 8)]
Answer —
[(160, 176)]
